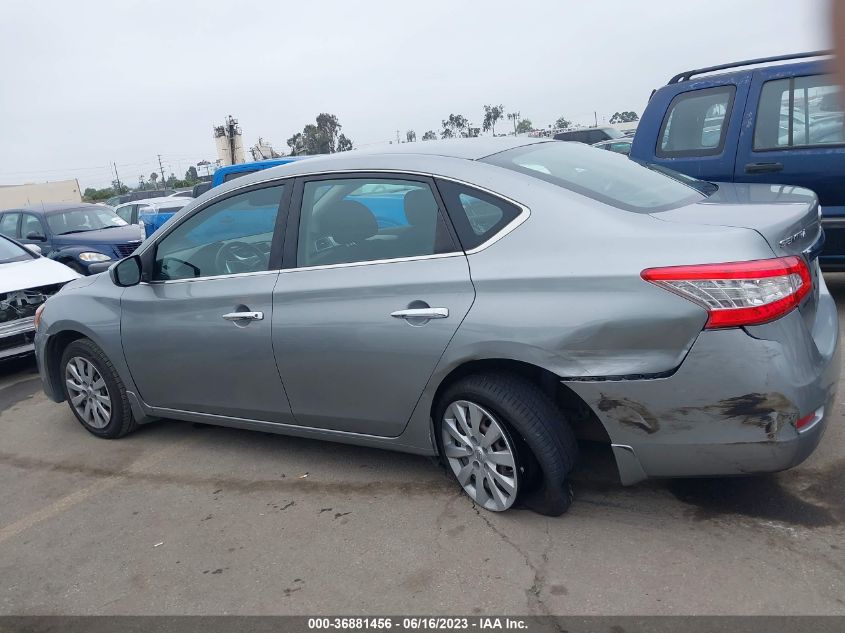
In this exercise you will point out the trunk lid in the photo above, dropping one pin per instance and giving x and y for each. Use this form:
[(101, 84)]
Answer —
[(788, 218)]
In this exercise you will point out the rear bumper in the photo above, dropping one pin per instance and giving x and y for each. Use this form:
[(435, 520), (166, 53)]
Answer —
[(731, 408)]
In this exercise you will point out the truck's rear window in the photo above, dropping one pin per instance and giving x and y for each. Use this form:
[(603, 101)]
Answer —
[(603, 176)]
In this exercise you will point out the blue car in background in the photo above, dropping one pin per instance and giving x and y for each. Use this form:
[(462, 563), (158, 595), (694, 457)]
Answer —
[(761, 121), (75, 234)]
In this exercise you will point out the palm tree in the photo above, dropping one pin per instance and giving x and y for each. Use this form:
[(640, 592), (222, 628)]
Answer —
[(153, 178), (491, 115)]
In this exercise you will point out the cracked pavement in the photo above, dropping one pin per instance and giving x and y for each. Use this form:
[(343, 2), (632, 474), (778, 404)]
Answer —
[(187, 519)]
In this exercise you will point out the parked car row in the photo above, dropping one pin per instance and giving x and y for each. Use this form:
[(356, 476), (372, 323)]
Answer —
[(485, 300), (75, 234), (27, 280)]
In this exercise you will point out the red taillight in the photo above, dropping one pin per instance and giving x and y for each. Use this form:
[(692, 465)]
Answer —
[(739, 293)]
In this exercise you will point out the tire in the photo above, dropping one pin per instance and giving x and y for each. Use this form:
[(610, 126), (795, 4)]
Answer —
[(109, 422), (536, 431)]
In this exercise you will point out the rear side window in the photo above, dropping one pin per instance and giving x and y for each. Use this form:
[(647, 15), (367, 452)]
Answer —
[(800, 112), (603, 176), (477, 216), (696, 123)]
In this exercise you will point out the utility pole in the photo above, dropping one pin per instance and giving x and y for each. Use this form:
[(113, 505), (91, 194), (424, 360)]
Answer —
[(161, 169), (596, 116), (231, 123), (116, 177)]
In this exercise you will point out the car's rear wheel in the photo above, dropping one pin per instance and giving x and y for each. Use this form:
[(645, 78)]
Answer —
[(94, 391), (504, 440)]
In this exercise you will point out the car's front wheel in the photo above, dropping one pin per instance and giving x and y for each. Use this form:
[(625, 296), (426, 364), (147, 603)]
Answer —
[(503, 439), (94, 391)]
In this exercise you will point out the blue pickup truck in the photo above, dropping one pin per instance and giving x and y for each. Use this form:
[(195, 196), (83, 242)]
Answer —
[(153, 218), (757, 121), (385, 200)]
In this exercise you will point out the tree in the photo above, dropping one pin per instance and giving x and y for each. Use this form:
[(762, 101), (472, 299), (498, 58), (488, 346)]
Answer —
[(296, 144), (153, 178), (514, 116), (491, 115), (324, 137), (411, 136), (624, 117), (456, 125), (343, 143), (562, 123), (191, 175), (431, 135), (524, 126)]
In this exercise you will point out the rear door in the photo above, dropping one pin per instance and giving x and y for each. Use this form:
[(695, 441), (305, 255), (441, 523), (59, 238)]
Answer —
[(364, 310), (794, 134)]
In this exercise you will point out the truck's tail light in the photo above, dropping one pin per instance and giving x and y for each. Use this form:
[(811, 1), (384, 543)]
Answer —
[(739, 293)]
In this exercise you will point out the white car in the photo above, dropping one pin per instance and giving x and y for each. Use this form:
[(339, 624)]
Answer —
[(26, 281)]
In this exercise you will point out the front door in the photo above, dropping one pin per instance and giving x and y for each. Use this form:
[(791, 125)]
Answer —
[(376, 292), (196, 335)]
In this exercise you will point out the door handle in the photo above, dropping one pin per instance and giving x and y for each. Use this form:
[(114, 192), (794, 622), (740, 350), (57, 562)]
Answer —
[(244, 316), (421, 313), (762, 168)]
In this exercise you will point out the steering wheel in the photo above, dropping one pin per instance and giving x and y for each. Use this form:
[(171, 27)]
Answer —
[(239, 257)]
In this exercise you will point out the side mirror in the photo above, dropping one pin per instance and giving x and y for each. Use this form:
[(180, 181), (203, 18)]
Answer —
[(38, 237), (126, 272), (33, 248)]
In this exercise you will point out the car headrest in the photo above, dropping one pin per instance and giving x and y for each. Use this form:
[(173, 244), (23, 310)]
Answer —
[(420, 207), (348, 221)]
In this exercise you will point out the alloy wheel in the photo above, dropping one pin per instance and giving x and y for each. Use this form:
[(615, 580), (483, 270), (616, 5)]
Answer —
[(87, 392), (481, 455)]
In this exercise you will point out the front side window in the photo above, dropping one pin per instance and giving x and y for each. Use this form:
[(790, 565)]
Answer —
[(696, 123), (367, 219), (9, 225), (30, 227), (603, 176), (83, 220), (800, 112), (229, 237)]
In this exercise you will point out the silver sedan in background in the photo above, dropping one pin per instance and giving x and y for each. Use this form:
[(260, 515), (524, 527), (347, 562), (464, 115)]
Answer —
[(485, 300)]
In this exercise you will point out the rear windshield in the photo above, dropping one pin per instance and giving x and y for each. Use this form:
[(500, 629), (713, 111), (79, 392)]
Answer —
[(237, 174), (598, 174)]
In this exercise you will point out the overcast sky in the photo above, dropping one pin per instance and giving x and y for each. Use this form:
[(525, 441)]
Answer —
[(87, 82)]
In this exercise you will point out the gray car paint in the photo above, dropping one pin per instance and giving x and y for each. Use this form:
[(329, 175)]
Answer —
[(561, 291)]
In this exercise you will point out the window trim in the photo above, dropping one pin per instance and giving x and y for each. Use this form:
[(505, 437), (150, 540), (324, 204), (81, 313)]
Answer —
[(730, 90), (148, 253), (291, 249), (791, 147)]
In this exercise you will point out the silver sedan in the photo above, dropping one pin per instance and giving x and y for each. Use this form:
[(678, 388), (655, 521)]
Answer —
[(485, 300)]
